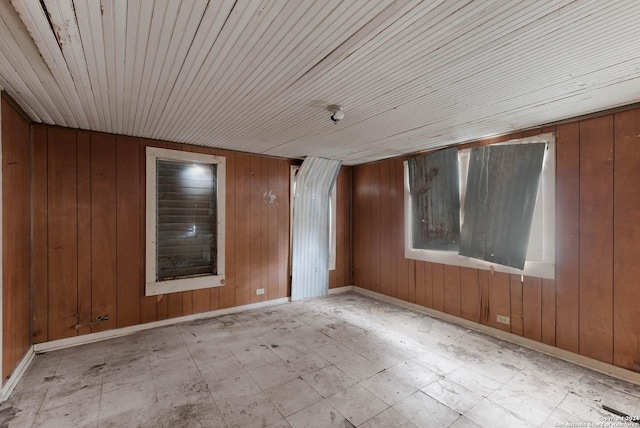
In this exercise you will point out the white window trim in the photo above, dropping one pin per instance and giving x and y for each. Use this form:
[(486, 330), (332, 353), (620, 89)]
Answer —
[(536, 265), (154, 287), (332, 217)]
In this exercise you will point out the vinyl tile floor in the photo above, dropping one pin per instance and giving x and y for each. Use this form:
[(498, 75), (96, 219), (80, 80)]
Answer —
[(340, 361)]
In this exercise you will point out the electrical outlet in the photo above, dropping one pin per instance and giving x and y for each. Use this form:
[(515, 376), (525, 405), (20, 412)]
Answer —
[(260, 291), (502, 319)]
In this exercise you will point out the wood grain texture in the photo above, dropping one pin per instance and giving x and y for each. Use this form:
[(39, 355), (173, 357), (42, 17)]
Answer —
[(437, 274), (376, 228), (242, 229), (549, 312), (421, 292), (469, 294), (567, 236), (128, 227), (271, 220), (103, 231), (62, 219), (596, 238), (516, 305), (626, 269), (396, 200), (532, 308), (589, 307), (499, 299), (452, 297), (256, 275), (98, 184), (40, 278), (364, 218), (83, 151), (16, 245), (385, 228), (343, 238)]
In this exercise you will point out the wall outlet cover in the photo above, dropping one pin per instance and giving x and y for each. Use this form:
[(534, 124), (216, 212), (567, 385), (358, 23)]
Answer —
[(260, 291), (503, 320)]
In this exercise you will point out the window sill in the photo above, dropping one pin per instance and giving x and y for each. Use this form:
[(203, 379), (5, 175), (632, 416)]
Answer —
[(185, 284), (545, 270)]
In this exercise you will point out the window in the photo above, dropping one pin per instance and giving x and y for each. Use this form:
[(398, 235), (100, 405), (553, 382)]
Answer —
[(185, 210), (332, 216), (475, 225)]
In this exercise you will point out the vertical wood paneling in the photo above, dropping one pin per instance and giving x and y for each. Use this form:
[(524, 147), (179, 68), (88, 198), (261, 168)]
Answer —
[(62, 219), (376, 228), (499, 299), (437, 272), (364, 219), (549, 312), (589, 307), (596, 238), (469, 294), (98, 184), (255, 225), (40, 271), (428, 284), (16, 245), (84, 231), (341, 276), (452, 301), (626, 238), (396, 202), (271, 230), (532, 307), (516, 305), (103, 231), (242, 229), (567, 236), (174, 304), (385, 227), (359, 263), (421, 283), (128, 226), (483, 288)]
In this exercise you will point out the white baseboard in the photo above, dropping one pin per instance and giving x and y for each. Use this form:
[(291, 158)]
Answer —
[(13, 379), (339, 290), (590, 363), (110, 334)]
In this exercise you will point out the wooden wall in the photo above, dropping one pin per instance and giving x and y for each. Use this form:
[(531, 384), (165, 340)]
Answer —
[(88, 200), (342, 274), (16, 241), (591, 308)]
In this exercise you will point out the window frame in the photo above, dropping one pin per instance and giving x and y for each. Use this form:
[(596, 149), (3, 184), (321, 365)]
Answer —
[(541, 250), (152, 286)]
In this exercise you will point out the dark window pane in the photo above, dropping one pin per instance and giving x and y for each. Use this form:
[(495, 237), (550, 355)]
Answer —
[(435, 200), (502, 186), (186, 220)]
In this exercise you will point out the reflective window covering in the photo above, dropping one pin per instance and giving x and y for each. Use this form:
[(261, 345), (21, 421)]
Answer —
[(502, 186), (435, 200)]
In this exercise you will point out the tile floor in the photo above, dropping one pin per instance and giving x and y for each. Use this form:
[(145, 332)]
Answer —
[(344, 360)]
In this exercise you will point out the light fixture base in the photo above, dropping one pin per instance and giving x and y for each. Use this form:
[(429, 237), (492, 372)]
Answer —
[(337, 113)]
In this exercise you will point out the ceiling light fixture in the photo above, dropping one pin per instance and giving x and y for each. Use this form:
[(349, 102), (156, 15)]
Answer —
[(337, 113)]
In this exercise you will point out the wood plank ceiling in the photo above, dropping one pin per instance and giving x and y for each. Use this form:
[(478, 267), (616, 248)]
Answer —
[(257, 76)]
